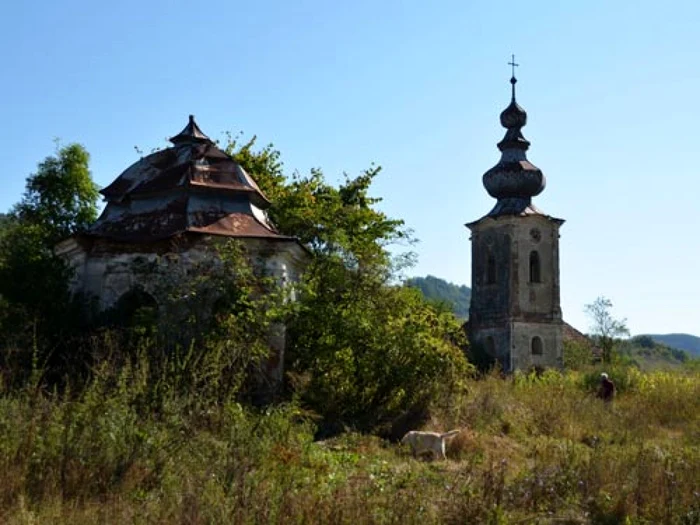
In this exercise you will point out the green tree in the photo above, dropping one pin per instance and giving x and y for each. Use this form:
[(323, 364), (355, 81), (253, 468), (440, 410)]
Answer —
[(4, 224), (59, 200), (371, 351), (61, 196), (604, 327), (364, 349), (333, 222)]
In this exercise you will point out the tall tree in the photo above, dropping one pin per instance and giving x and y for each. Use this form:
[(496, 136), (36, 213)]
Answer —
[(61, 197), (338, 222), (604, 327), (364, 349)]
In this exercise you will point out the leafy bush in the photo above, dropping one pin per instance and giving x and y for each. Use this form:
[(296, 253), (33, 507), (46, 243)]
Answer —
[(371, 352), (577, 354)]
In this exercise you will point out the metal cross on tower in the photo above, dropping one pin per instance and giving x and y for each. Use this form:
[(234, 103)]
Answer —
[(513, 80), (513, 65)]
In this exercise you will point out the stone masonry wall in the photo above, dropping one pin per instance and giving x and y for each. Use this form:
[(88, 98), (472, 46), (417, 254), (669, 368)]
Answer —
[(507, 305), (108, 271)]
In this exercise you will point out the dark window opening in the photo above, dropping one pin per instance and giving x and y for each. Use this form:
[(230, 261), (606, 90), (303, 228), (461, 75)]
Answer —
[(136, 308), (490, 346), (491, 270), (535, 276), (537, 346)]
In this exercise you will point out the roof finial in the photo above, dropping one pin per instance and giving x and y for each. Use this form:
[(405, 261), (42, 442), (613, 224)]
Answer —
[(191, 134), (513, 80)]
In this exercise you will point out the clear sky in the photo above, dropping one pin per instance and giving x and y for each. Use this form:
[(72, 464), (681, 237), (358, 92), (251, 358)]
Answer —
[(611, 90)]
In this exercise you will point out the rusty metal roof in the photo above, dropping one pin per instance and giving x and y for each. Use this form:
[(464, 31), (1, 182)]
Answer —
[(169, 218), (572, 334), (243, 224), (186, 164), (192, 186)]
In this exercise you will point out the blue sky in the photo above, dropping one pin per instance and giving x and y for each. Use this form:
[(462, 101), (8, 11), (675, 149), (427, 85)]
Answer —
[(611, 91)]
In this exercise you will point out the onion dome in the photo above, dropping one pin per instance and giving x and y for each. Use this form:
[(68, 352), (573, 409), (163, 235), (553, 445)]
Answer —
[(514, 180)]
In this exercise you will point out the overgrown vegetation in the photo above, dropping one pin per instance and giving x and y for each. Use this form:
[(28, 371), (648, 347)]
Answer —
[(533, 449), (362, 351), (38, 317), (154, 415)]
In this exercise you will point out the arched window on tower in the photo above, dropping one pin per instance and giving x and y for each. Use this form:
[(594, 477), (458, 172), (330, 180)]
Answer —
[(490, 269), (535, 276), (536, 346), (490, 346)]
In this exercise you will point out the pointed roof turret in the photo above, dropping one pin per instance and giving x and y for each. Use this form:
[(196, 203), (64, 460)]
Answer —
[(192, 186), (190, 134), (514, 180)]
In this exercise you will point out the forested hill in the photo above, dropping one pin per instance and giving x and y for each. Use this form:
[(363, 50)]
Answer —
[(687, 342), (434, 288)]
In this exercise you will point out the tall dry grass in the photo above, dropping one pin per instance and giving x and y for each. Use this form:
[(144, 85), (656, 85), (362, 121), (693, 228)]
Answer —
[(533, 450)]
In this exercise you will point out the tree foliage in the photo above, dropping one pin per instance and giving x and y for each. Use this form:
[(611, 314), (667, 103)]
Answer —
[(576, 354), (340, 222), (61, 196), (59, 200), (604, 327), (361, 349), (371, 351)]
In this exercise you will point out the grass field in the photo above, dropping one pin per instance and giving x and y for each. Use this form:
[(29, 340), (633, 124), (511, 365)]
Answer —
[(532, 450)]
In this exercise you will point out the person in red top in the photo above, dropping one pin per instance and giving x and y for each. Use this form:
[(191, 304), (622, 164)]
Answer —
[(606, 392)]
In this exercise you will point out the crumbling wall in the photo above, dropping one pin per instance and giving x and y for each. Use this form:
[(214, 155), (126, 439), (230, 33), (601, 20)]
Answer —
[(106, 271)]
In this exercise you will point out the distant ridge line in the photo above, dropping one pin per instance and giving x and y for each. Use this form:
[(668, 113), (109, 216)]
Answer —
[(688, 342)]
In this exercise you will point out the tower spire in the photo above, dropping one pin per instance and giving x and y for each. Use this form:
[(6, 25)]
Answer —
[(513, 80), (514, 180)]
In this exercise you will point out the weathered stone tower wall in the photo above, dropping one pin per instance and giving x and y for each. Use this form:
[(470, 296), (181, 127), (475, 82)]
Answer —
[(515, 313), (515, 291)]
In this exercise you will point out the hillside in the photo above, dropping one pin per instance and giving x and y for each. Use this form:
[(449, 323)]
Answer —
[(687, 342), (649, 354), (437, 289)]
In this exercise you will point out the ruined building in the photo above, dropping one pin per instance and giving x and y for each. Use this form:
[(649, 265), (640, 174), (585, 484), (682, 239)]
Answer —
[(165, 211), (515, 314)]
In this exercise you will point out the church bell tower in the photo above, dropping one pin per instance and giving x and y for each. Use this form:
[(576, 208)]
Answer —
[(515, 313)]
